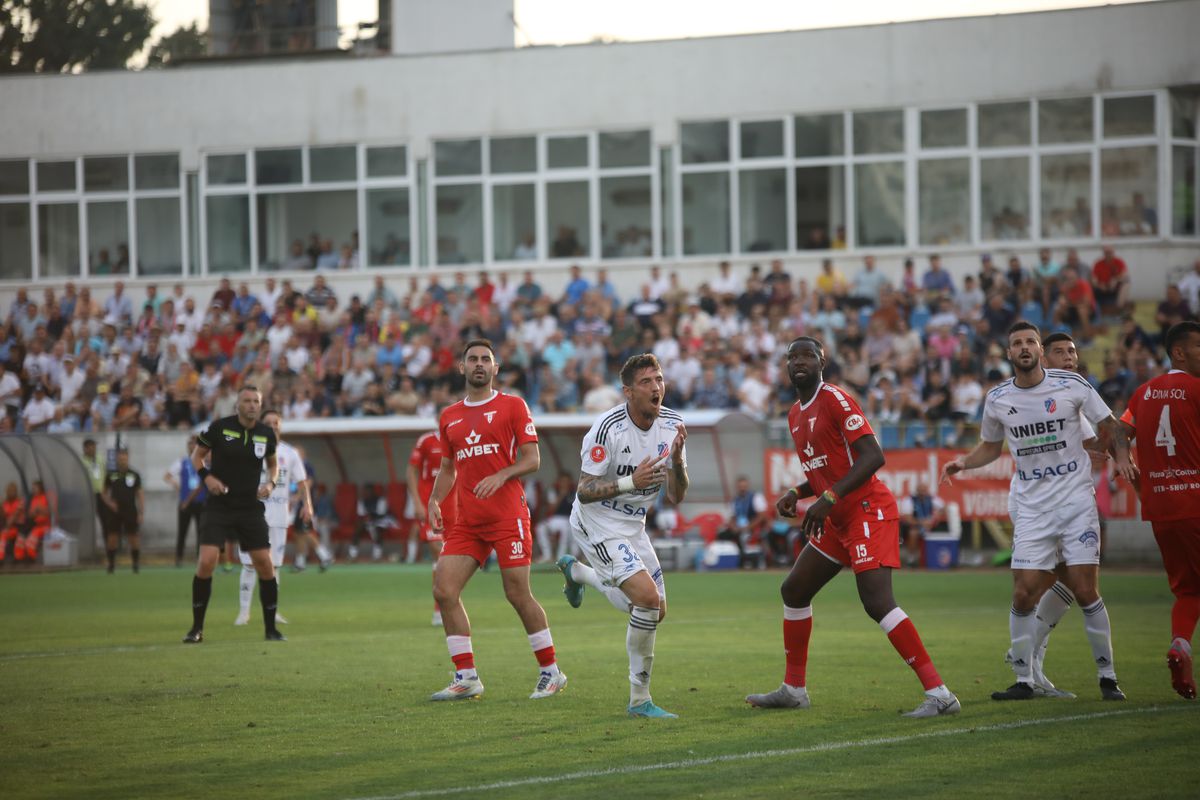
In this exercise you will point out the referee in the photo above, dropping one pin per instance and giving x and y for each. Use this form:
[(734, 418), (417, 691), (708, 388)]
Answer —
[(239, 446)]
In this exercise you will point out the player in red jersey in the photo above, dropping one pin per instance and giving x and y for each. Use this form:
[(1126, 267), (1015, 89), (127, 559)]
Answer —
[(854, 523), (489, 442), (1164, 417), (423, 467)]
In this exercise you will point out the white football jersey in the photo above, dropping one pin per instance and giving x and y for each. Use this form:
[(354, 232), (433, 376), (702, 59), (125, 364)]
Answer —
[(291, 471), (612, 449), (1044, 429)]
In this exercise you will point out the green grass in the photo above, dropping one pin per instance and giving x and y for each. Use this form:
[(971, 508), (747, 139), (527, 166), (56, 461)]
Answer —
[(101, 699)]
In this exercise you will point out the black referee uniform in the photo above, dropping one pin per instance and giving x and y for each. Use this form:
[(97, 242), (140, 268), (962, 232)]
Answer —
[(238, 455), (122, 486)]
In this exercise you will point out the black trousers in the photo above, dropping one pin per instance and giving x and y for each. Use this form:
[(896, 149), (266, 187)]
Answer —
[(186, 516)]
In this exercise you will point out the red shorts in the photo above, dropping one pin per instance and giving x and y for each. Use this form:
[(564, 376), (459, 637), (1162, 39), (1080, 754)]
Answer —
[(1179, 543), (863, 543), (428, 534), (512, 541)]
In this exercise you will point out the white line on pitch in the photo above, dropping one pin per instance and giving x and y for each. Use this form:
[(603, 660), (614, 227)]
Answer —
[(759, 754)]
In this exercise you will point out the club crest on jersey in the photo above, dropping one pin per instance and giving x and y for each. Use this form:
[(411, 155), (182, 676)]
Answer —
[(662, 448), (260, 449), (812, 424), (474, 448), (1051, 406), (598, 454), (473, 437), (808, 451), (489, 415), (129, 480)]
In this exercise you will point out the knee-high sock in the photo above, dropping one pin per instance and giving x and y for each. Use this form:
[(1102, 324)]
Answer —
[(904, 637), (1056, 602), (543, 539), (1184, 614), (639, 643), (410, 555), (1099, 634), (797, 630), (1022, 626), (582, 573), (201, 591), (268, 595), (246, 583)]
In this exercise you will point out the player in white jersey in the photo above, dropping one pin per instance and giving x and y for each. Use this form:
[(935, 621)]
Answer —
[(278, 513), (1051, 501), (627, 456)]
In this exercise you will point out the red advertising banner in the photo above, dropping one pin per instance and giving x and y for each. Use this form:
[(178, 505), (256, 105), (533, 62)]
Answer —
[(980, 493)]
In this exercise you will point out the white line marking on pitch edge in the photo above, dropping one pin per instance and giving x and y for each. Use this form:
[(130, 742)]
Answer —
[(794, 751)]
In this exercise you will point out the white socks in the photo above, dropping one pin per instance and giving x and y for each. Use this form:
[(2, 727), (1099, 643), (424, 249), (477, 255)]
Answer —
[(1056, 602), (1021, 628), (1099, 634), (459, 645), (639, 643), (246, 584), (582, 573)]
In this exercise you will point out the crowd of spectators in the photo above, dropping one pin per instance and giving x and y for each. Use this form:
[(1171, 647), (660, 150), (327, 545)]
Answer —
[(925, 347)]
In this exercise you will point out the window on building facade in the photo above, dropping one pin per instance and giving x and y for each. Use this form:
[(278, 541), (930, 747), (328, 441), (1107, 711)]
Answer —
[(879, 204), (1066, 195), (1003, 124), (1004, 199), (762, 210), (514, 222), (58, 240), (944, 200), (705, 204), (16, 261)]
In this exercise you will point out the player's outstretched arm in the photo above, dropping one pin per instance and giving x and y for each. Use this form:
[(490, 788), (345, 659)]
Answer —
[(651, 472), (984, 453)]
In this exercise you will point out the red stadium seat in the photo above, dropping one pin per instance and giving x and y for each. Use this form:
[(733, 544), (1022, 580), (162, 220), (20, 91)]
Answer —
[(345, 506), (397, 499), (707, 525)]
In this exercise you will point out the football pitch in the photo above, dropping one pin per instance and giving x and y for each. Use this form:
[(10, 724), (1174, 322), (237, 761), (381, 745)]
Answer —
[(102, 700)]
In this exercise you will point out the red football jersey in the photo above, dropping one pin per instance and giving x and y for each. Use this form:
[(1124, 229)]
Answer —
[(1165, 412), (482, 438), (823, 431), (427, 458)]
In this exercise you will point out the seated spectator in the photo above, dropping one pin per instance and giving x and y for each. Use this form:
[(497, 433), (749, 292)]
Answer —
[(711, 390), (868, 283), (1015, 277), (726, 285), (831, 282), (1189, 287), (374, 517), (298, 258), (920, 513), (224, 296), (555, 527), (39, 411), (1172, 310), (1076, 304), (936, 282), (749, 514), (1110, 283)]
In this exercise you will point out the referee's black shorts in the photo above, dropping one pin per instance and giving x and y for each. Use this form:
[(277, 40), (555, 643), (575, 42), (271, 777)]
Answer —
[(246, 526)]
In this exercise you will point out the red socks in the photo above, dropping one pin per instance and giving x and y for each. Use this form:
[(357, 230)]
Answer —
[(904, 637), (1184, 614), (797, 629)]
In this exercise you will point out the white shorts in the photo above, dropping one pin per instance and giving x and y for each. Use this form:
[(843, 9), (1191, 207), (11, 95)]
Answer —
[(278, 539), (616, 559), (1067, 534)]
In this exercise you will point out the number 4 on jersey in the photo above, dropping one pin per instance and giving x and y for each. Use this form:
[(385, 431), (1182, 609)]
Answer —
[(1163, 437)]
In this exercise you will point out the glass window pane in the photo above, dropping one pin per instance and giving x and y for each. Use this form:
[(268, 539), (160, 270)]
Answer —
[(762, 139), (1004, 198), (625, 149), (106, 174), (705, 204), (820, 207), (329, 164), (704, 142), (278, 166), (1128, 116), (514, 222), (224, 170), (460, 224), (15, 254), (14, 177), (944, 128), (513, 154), (879, 204), (1129, 191), (458, 157), (108, 238), (228, 233), (156, 172), (58, 240), (388, 217), (878, 132), (762, 210), (1066, 196), (159, 239), (387, 162), (1063, 121), (1184, 106), (1183, 191), (567, 219), (625, 221), (56, 176), (944, 201), (290, 225), (819, 135), (564, 153), (666, 188), (1004, 124)]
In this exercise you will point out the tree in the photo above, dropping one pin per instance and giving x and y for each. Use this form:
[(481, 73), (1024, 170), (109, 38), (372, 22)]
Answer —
[(71, 35), (183, 43)]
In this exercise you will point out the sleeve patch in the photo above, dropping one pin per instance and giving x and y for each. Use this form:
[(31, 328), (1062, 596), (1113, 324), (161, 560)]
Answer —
[(854, 422), (598, 454), (530, 430)]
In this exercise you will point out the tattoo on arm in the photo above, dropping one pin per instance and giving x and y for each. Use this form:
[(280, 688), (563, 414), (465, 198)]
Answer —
[(679, 481), (593, 488)]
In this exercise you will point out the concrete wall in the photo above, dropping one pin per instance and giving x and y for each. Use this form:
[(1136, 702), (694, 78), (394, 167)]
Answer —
[(451, 26)]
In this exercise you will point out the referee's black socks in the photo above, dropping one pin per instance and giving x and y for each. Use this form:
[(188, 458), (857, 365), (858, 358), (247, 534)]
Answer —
[(268, 593), (201, 591)]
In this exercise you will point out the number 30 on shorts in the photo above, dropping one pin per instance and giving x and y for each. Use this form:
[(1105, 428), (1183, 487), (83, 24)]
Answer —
[(518, 548)]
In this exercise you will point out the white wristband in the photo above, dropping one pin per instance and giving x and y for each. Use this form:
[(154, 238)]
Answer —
[(625, 484)]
